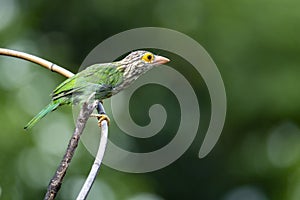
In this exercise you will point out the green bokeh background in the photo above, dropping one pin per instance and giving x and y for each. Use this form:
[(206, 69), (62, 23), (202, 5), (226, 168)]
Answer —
[(256, 47)]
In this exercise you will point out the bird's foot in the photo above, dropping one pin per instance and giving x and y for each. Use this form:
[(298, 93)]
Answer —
[(100, 118)]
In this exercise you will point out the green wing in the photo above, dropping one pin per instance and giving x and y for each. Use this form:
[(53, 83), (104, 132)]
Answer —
[(101, 78)]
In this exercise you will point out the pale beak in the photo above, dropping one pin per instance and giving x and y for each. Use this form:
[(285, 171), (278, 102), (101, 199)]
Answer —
[(160, 60)]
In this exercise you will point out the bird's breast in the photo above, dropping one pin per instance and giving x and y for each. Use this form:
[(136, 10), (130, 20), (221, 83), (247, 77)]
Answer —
[(124, 84)]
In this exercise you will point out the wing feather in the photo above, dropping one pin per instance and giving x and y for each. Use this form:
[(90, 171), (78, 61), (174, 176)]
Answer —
[(100, 78)]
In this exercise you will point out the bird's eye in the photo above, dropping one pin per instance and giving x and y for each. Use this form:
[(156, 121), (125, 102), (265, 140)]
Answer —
[(148, 57)]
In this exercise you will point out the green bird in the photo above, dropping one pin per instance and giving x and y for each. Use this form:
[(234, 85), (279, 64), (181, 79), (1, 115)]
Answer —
[(104, 80)]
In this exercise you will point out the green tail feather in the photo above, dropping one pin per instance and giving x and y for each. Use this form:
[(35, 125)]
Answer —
[(49, 108)]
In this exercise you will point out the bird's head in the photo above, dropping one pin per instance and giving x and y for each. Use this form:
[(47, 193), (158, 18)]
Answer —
[(138, 62)]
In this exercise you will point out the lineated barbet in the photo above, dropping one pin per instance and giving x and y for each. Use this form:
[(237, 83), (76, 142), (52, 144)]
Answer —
[(103, 79)]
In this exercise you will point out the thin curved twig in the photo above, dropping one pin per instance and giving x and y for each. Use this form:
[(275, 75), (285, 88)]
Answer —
[(55, 182), (98, 159), (40, 61)]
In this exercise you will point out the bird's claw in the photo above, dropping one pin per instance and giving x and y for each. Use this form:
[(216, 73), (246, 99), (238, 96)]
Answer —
[(100, 118)]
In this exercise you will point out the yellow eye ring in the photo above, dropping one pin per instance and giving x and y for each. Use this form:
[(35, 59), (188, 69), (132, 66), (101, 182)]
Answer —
[(148, 57)]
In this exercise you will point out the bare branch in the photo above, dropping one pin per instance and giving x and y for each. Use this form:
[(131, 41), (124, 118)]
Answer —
[(37, 60), (57, 179)]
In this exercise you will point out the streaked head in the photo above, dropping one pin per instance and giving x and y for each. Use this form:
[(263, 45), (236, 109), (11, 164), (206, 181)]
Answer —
[(138, 62)]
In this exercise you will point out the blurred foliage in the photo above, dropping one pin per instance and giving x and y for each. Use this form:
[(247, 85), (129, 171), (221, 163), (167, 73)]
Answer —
[(256, 47)]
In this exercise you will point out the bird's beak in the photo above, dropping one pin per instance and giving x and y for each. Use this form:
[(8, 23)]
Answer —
[(160, 60)]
